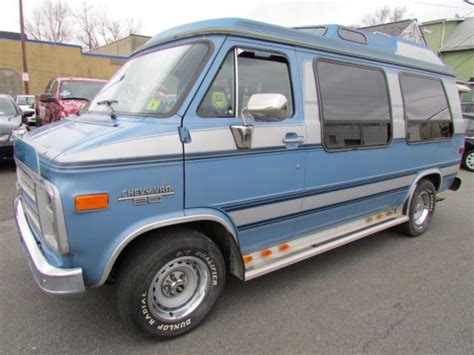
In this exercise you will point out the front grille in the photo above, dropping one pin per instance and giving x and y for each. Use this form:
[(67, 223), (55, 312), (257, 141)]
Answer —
[(28, 191)]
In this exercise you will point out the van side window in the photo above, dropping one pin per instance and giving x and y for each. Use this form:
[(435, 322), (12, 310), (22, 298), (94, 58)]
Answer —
[(258, 72), (263, 73), (354, 105), (426, 108)]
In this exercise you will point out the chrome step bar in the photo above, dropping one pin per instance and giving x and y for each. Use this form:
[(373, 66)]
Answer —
[(268, 260)]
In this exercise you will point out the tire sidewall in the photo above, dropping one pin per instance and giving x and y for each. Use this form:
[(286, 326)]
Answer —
[(471, 152), (430, 189), (148, 322)]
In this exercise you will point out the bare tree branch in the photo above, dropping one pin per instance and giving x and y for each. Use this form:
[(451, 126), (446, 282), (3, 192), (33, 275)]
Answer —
[(50, 21), (384, 15)]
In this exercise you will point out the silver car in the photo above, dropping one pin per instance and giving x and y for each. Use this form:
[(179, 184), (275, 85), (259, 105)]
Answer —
[(27, 103), (11, 124)]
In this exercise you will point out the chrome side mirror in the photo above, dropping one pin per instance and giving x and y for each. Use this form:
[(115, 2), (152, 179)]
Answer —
[(261, 107), (268, 107)]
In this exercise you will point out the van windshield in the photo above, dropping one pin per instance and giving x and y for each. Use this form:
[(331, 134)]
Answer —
[(153, 83)]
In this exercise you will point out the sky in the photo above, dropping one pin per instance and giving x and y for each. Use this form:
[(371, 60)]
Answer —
[(159, 15)]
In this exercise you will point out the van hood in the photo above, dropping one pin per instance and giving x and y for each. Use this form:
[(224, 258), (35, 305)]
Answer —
[(92, 140)]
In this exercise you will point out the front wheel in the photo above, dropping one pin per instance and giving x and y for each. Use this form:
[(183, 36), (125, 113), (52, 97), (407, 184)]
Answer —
[(170, 282), (421, 210), (468, 161)]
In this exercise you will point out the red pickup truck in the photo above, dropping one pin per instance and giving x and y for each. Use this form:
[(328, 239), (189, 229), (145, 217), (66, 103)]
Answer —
[(64, 97)]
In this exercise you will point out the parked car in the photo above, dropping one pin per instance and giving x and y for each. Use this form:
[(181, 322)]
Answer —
[(64, 97), (27, 104), (234, 146), (11, 124), (468, 156)]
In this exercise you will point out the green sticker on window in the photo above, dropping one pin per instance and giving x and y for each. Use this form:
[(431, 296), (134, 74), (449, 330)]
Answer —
[(219, 100), (153, 105)]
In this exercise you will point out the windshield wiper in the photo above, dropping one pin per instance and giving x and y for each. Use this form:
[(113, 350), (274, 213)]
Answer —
[(109, 104), (74, 98)]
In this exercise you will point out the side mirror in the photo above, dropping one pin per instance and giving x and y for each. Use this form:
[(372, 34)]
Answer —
[(47, 97), (27, 114), (268, 107)]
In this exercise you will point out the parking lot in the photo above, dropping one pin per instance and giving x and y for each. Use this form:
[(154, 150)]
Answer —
[(383, 294)]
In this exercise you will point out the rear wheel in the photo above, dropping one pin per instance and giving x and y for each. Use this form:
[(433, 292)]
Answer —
[(468, 161), (421, 210), (168, 284)]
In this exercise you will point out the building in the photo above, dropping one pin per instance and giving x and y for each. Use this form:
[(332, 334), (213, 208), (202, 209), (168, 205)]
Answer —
[(406, 29), (123, 47), (453, 39), (47, 60)]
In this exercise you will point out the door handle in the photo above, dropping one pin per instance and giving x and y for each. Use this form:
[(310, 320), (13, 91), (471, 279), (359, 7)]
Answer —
[(293, 138)]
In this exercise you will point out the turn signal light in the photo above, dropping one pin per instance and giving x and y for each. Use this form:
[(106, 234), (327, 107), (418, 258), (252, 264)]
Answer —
[(461, 150), (91, 202)]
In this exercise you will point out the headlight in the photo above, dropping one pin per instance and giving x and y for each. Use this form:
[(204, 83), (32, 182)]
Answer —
[(51, 217)]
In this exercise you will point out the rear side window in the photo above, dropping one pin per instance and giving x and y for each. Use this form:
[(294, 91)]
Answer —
[(426, 109), (354, 105)]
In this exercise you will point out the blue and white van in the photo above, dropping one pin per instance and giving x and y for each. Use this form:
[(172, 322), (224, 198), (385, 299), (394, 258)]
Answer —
[(235, 147)]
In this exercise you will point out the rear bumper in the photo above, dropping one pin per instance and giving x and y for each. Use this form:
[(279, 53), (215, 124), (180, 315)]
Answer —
[(51, 279)]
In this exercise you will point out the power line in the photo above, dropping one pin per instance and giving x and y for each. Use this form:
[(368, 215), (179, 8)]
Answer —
[(439, 5)]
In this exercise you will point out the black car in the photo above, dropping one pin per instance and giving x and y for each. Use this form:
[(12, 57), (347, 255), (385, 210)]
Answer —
[(11, 122), (468, 157)]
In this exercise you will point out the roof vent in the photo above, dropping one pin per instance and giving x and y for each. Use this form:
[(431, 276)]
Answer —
[(352, 35)]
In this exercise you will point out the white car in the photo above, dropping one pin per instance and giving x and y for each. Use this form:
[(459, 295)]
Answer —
[(27, 103)]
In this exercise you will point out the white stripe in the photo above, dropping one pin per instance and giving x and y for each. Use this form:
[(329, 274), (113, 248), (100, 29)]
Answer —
[(280, 209)]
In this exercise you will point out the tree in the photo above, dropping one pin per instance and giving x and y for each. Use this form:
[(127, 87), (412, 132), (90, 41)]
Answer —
[(384, 15), (54, 20), (50, 21), (96, 28)]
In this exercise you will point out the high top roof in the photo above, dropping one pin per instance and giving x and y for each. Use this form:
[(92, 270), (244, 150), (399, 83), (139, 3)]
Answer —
[(336, 39)]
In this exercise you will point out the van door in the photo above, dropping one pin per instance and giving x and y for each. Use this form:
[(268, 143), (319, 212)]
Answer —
[(257, 187)]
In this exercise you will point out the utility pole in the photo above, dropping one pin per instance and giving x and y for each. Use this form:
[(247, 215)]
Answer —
[(24, 75)]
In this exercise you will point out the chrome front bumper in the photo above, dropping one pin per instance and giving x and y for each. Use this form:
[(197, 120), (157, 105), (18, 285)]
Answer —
[(53, 280)]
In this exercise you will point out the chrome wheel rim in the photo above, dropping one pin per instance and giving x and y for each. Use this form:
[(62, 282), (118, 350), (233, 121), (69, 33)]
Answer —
[(178, 288), (422, 208), (470, 161)]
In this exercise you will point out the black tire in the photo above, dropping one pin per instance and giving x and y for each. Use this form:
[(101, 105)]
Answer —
[(149, 272), (417, 225), (468, 161)]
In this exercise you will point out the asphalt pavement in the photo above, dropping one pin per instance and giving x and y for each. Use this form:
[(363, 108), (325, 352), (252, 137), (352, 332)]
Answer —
[(383, 294)]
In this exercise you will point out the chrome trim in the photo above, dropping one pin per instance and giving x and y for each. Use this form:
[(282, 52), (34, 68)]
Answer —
[(242, 136), (312, 250), (156, 225), (61, 237), (268, 106), (415, 182), (51, 279)]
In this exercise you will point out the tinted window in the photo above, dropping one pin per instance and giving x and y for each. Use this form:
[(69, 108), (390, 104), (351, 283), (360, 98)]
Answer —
[(351, 35), (260, 73), (355, 105), (257, 73), (426, 108)]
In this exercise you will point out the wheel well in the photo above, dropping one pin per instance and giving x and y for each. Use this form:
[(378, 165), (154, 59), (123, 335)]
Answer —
[(215, 231), (435, 179)]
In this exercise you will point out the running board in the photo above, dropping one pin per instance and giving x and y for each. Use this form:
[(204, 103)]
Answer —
[(285, 254)]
